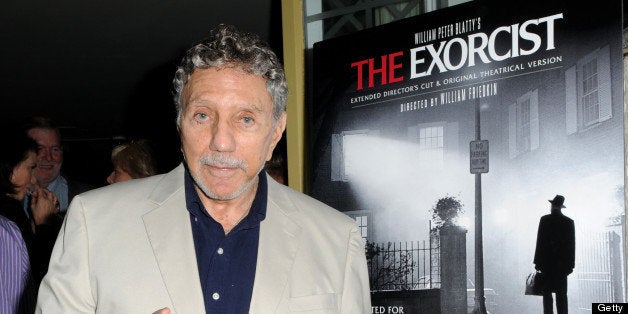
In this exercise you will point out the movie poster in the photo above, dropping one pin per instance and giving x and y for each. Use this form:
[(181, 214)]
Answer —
[(396, 108)]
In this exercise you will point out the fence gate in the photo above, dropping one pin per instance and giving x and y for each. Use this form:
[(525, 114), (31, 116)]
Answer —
[(397, 266), (599, 270)]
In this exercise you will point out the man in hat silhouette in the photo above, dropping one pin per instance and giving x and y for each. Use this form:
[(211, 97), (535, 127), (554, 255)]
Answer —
[(555, 254)]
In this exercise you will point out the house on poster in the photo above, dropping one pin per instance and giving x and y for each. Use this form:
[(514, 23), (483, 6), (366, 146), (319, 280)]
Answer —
[(393, 114)]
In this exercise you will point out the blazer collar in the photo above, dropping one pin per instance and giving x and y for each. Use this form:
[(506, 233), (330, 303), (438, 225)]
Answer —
[(170, 234), (278, 246)]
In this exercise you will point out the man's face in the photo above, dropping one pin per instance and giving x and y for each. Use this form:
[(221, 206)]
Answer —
[(118, 175), (227, 130), (49, 156)]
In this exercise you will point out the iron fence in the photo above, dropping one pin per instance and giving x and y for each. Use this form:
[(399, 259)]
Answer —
[(410, 265), (599, 269)]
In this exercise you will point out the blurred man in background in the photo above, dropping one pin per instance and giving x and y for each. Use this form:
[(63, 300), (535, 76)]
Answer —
[(49, 161)]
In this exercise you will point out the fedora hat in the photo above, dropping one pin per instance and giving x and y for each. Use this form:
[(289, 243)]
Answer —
[(558, 201)]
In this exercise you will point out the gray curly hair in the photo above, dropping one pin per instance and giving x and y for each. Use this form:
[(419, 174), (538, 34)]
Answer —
[(228, 46)]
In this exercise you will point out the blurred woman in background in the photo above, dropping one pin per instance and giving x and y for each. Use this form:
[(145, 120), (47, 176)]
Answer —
[(16, 289), (37, 230), (132, 160)]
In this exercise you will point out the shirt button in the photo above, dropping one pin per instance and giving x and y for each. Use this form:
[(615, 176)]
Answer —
[(215, 296), (220, 251)]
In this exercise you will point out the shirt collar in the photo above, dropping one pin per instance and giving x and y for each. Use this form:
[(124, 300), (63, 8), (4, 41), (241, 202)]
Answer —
[(59, 186), (55, 184)]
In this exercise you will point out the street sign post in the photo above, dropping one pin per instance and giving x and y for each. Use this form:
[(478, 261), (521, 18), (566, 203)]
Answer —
[(478, 154)]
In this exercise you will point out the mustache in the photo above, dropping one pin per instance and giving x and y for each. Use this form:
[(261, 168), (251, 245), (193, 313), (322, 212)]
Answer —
[(219, 160)]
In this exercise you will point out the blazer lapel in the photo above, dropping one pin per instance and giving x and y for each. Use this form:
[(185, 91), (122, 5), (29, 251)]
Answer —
[(170, 233), (278, 245)]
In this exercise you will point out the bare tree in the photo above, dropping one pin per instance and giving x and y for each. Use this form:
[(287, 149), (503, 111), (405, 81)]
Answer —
[(445, 211), (389, 268)]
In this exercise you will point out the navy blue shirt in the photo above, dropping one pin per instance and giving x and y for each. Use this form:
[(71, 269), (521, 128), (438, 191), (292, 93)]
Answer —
[(226, 263)]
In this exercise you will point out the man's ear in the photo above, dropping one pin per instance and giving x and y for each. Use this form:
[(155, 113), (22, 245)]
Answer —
[(180, 140), (280, 126)]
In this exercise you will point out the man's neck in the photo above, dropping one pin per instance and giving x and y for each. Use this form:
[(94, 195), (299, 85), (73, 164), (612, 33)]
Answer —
[(46, 184), (228, 213)]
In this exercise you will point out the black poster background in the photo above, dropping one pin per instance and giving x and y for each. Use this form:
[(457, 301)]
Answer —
[(390, 152)]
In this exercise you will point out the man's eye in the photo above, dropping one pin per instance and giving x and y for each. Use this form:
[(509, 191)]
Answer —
[(247, 119), (201, 117)]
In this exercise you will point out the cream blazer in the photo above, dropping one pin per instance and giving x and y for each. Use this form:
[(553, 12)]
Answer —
[(128, 248)]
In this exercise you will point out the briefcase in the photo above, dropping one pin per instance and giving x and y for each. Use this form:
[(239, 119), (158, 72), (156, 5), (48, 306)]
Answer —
[(534, 283)]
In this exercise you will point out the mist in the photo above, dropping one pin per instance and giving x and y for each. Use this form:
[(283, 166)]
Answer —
[(400, 183)]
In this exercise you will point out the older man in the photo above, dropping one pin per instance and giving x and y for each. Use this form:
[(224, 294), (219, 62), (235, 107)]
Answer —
[(50, 159), (216, 234)]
